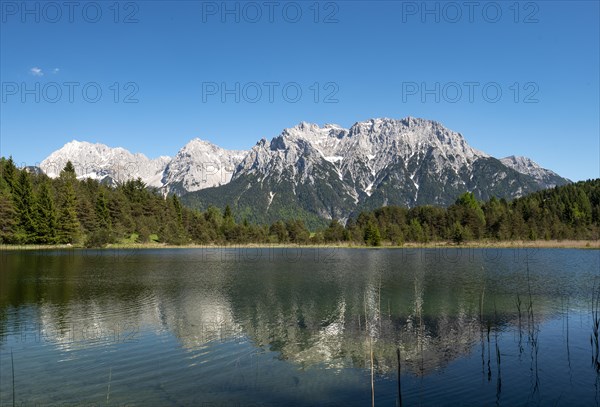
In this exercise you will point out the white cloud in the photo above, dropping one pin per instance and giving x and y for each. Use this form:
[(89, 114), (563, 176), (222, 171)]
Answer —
[(35, 71), (55, 70)]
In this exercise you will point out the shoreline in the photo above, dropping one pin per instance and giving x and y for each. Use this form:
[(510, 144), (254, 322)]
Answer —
[(506, 244)]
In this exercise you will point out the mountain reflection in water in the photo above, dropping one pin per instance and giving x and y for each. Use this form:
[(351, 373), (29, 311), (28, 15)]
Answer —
[(311, 309)]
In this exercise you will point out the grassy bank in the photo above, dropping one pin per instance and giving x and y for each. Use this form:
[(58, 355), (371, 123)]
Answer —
[(542, 244)]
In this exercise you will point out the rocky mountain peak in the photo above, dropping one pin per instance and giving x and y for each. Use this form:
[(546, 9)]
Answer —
[(333, 170), (527, 166)]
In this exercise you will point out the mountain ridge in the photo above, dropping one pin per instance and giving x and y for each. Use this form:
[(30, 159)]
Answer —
[(332, 172), (325, 172)]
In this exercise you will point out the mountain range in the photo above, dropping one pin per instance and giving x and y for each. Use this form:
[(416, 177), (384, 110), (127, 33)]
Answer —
[(319, 173)]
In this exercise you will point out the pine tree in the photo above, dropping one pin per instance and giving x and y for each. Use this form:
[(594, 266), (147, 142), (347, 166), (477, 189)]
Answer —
[(468, 212), (279, 231), (335, 232), (227, 214), (459, 233), (171, 229), (9, 173), (68, 224), (102, 212), (177, 206), (8, 217), (68, 171), (86, 213), (24, 204), (297, 232), (372, 235), (102, 234), (45, 216)]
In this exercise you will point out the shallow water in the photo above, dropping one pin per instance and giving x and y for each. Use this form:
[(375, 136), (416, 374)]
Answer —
[(276, 326)]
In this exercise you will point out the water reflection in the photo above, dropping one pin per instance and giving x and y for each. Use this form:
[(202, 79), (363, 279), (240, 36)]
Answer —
[(434, 312), (363, 308)]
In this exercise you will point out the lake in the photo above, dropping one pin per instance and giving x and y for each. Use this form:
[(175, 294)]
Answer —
[(298, 326)]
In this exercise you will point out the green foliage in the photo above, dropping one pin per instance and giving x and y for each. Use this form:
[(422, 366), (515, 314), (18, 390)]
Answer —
[(335, 232), (566, 212), (468, 212), (68, 171), (279, 232), (36, 209), (68, 223), (372, 235), (45, 216), (102, 212), (100, 238), (297, 232), (24, 205), (460, 233), (8, 174), (8, 218)]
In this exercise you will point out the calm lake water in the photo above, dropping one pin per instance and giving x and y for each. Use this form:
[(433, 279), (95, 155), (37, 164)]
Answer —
[(269, 327)]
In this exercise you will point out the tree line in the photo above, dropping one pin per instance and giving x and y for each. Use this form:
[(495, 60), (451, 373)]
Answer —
[(35, 209)]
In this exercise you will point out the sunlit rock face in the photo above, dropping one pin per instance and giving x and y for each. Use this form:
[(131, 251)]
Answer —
[(197, 165), (319, 172)]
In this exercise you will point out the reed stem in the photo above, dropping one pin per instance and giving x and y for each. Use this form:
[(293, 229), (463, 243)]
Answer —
[(12, 363)]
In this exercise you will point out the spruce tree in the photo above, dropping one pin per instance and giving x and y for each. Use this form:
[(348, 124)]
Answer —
[(279, 230), (372, 235), (45, 216), (68, 224), (86, 213), (102, 212), (171, 230), (8, 217), (68, 171), (227, 214), (9, 173), (24, 205), (177, 206)]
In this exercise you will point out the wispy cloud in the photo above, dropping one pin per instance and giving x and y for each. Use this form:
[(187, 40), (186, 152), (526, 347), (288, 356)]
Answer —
[(35, 71), (55, 70)]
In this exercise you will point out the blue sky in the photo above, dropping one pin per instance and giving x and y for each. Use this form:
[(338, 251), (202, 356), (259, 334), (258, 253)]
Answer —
[(172, 71)]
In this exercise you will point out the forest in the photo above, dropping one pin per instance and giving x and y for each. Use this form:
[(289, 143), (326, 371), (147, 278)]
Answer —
[(35, 209)]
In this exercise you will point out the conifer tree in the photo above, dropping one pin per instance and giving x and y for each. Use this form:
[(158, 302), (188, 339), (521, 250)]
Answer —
[(177, 206), (68, 171), (8, 217), (9, 173), (372, 235), (68, 224), (102, 212), (45, 216), (86, 213), (227, 214), (24, 204)]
